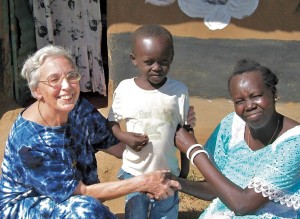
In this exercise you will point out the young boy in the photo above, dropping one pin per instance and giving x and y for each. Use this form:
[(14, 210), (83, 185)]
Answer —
[(152, 106)]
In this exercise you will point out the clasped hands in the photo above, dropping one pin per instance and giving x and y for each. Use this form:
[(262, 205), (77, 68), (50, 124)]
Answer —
[(159, 186)]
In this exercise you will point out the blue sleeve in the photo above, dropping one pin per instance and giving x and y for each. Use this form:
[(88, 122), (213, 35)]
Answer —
[(94, 125)]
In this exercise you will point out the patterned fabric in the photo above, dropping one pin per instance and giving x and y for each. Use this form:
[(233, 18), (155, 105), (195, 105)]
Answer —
[(75, 25), (273, 171), (43, 165)]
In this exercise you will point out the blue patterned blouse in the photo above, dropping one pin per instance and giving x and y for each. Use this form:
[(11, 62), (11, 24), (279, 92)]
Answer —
[(273, 171), (49, 162)]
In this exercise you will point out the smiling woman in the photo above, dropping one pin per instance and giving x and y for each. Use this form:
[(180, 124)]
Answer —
[(251, 162), (49, 168)]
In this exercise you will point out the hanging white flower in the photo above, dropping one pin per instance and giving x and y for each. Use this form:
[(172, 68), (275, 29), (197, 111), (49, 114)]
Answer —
[(217, 13), (160, 2)]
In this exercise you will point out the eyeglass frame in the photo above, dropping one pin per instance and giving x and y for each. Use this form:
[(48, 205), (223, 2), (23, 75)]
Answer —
[(47, 82)]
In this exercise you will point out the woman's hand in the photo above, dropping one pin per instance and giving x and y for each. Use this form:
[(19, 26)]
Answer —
[(184, 140), (159, 186)]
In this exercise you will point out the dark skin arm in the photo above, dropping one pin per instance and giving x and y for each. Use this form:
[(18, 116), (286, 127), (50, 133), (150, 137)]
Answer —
[(185, 165), (116, 150), (198, 189), (184, 161), (242, 201), (135, 141)]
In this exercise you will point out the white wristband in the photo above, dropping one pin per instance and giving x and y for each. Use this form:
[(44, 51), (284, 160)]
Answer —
[(191, 148), (196, 153)]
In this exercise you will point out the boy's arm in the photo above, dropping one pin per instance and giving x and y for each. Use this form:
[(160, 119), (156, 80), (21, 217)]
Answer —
[(116, 150), (135, 141), (185, 163), (116, 129), (185, 166)]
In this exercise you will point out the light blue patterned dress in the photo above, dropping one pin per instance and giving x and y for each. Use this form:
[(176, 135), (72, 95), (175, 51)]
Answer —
[(273, 171), (42, 166)]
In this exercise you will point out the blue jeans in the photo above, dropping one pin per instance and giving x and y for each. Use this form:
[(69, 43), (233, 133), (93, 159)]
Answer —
[(140, 206)]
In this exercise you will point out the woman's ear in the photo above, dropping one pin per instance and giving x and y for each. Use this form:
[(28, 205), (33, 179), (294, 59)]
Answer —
[(132, 58), (275, 97), (38, 93)]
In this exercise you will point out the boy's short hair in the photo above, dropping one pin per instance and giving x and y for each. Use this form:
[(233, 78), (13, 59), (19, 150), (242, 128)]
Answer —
[(153, 31)]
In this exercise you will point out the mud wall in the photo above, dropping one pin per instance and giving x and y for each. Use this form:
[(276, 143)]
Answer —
[(204, 57)]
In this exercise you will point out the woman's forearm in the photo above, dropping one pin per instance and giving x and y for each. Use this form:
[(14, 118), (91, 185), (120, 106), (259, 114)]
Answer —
[(153, 183), (241, 201), (198, 189), (111, 190)]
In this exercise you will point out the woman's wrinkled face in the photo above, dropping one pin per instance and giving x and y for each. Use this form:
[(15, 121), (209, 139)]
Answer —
[(253, 100), (153, 57), (63, 97)]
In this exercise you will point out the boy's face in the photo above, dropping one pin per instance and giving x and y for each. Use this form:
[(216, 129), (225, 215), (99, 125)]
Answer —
[(153, 57)]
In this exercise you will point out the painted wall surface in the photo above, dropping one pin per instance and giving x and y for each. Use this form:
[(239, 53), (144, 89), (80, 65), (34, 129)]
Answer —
[(203, 57)]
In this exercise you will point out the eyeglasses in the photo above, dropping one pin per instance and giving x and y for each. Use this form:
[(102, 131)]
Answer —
[(55, 80)]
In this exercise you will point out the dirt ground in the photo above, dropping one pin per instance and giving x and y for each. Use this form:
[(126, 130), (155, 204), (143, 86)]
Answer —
[(208, 114)]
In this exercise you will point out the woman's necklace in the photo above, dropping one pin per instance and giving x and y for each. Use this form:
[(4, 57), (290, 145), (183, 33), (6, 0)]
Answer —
[(278, 122), (42, 116)]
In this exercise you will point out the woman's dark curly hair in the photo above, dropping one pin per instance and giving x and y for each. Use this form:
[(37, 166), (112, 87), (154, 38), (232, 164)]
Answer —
[(250, 65)]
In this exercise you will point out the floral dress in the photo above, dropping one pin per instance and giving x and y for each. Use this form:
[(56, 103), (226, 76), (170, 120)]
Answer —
[(273, 171), (42, 166), (77, 26)]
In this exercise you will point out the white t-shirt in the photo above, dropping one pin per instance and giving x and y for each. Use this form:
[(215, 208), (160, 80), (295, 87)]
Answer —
[(156, 113)]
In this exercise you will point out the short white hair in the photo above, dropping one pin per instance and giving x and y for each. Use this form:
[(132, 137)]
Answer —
[(30, 70)]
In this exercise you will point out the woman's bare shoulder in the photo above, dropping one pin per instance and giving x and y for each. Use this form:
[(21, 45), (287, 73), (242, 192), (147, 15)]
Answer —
[(289, 123)]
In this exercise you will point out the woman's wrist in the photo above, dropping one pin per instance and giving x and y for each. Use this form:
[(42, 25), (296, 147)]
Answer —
[(191, 148), (194, 150), (196, 153), (141, 183)]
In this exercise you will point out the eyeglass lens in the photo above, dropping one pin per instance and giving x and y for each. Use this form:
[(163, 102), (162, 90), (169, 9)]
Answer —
[(56, 79)]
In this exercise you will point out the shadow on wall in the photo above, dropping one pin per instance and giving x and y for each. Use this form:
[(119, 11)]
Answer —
[(204, 65), (270, 15)]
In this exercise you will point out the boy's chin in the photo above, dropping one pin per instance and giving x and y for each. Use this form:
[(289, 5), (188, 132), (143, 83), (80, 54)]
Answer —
[(159, 82)]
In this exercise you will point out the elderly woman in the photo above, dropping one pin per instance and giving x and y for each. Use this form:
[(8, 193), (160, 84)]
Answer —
[(251, 162), (49, 168)]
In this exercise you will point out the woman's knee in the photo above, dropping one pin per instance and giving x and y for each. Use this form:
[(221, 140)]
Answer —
[(85, 207)]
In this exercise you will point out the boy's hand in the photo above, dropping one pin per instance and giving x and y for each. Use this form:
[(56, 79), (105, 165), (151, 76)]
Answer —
[(191, 117), (136, 141)]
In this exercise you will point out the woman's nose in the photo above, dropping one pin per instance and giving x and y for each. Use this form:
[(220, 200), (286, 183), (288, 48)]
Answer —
[(65, 82), (250, 104)]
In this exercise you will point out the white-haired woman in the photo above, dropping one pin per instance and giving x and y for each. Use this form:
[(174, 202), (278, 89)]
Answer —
[(49, 168)]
